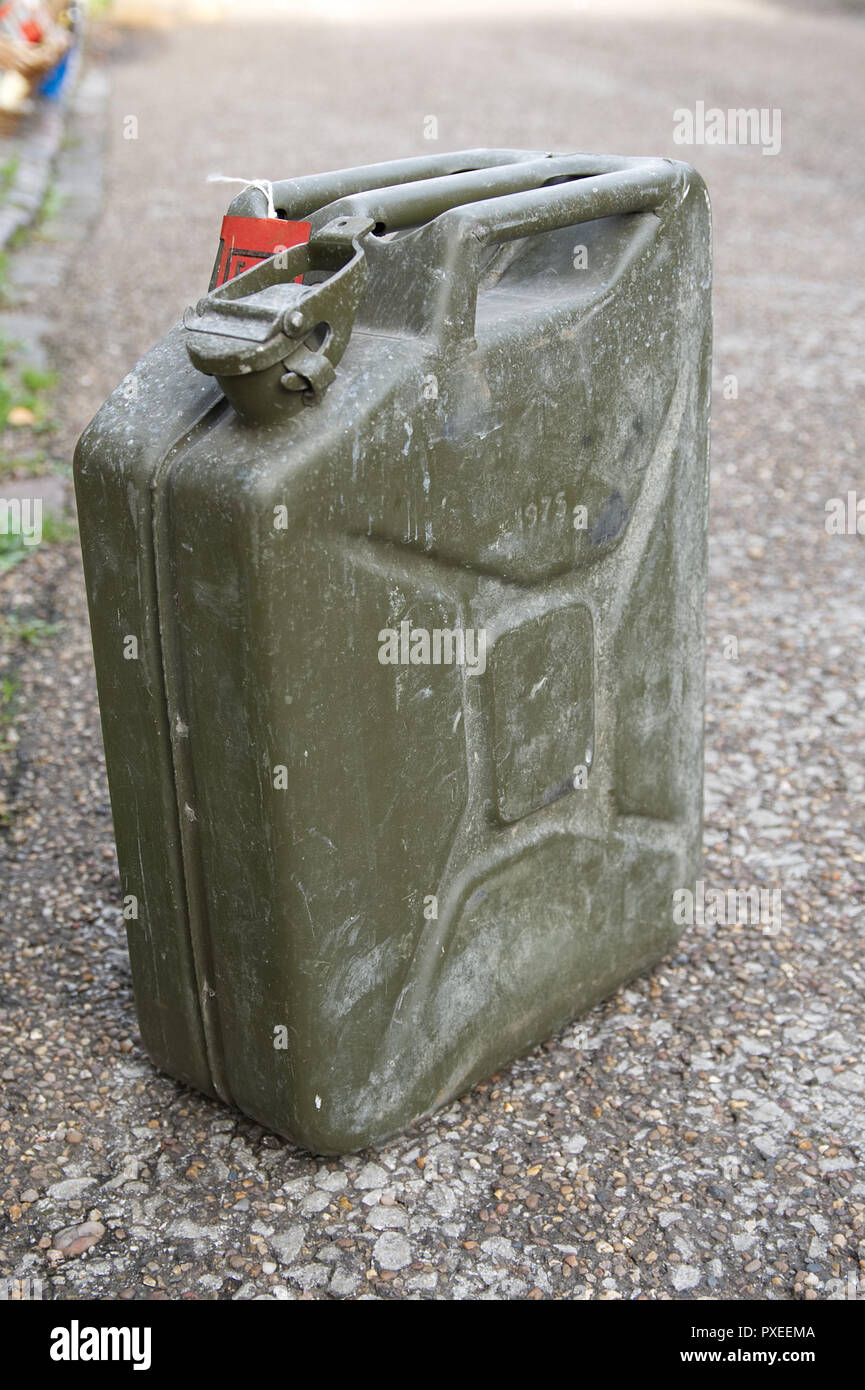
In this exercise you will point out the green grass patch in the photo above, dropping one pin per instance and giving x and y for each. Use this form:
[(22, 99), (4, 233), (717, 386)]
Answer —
[(30, 631), (34, 465), (36, 381), (26, 386), (50, 209), (8, 691), (8, 170), (54, 532)]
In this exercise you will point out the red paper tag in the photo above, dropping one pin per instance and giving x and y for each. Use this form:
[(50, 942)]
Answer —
[(246, 241)]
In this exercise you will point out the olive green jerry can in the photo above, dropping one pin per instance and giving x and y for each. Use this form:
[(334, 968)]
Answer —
[(395, 557)]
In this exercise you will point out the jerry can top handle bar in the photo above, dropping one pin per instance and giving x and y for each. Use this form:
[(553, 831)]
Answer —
[(530, 211), (242, 327), (301, 197), (297, 197), (527, 198), (407, 205)]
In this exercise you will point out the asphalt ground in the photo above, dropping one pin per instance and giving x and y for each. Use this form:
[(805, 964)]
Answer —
[(700, 1134)]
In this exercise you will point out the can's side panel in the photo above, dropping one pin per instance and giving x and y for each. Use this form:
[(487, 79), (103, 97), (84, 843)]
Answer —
[(117, 465)]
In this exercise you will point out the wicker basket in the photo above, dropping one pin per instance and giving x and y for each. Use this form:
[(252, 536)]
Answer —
[(32, 61)]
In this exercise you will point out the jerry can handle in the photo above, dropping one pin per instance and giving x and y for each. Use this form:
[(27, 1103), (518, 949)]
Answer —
[(298, 197), (459, 214), (462, 233), (551, 178), (644, 186)]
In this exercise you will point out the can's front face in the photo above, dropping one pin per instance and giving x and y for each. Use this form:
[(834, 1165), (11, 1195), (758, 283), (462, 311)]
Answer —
[(409, 767)]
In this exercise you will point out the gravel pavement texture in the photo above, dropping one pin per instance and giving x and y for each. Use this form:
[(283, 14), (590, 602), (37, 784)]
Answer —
[(699, 1135)]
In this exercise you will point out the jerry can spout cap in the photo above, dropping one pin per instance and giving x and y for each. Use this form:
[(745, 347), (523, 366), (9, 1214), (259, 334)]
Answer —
[(287, 336)]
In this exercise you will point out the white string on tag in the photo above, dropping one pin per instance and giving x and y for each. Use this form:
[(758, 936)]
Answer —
[(263, 185)]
